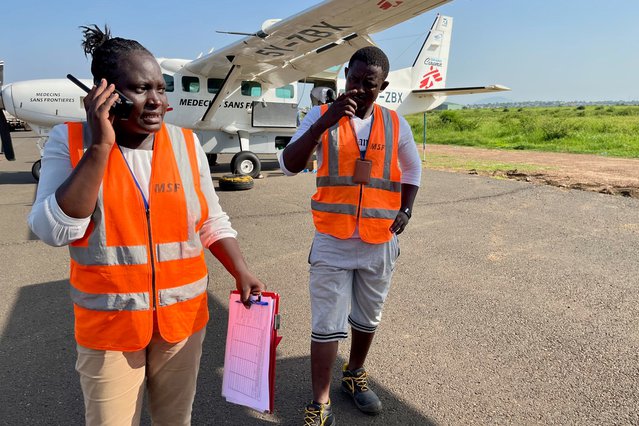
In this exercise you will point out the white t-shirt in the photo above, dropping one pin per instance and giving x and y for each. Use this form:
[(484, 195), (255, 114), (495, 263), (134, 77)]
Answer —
[(409, 161), (54, 227)]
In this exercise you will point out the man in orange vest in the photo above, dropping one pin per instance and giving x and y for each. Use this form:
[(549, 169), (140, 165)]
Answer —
[(368, 175), (133, 199)]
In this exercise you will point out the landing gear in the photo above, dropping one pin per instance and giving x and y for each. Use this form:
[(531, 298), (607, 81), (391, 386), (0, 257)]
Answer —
[(246, 163), (35, 170)]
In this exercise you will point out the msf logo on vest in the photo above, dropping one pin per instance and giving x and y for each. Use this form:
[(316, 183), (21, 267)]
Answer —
[(167, 187)]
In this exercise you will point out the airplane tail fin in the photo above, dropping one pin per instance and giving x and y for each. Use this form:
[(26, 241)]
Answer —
[(431, 64)]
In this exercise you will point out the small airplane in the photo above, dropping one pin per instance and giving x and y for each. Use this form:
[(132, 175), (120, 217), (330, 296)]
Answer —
[(243, 99)]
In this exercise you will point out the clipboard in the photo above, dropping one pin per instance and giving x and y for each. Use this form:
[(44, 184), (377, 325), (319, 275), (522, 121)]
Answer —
[(275, 340), (243, 391)]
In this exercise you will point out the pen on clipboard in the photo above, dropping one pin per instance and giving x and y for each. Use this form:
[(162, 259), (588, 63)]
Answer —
[(258, 302)]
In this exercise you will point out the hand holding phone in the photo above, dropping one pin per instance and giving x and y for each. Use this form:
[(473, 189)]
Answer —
[(122, 107)]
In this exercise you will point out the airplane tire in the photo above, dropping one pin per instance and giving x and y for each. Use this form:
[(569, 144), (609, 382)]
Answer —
[(246, 163), (35, 170), (235, 182)]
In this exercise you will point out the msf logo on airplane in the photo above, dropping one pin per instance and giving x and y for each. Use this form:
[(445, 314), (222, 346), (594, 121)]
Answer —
[(431, 77)]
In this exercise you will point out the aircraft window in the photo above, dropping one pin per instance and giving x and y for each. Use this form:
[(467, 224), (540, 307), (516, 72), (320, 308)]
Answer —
[(285, 92), (168, 81), (251, 88), (190, 84), (214, 85)]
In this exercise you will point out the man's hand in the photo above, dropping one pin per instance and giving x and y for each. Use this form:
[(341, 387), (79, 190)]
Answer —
[(401, 220), (344, 105)]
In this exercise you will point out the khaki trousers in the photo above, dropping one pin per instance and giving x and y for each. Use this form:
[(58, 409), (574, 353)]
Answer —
[(113, 382)]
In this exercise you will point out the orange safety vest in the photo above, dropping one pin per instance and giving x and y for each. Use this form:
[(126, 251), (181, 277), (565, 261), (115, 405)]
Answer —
[(339, 204), (132, 261)]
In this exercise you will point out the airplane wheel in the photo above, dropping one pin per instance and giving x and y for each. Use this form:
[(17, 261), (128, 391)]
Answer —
[(246, 163), (235, 182), (35, 170)]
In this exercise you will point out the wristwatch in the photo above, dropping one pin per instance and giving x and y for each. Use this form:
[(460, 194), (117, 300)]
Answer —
[(406, 211)]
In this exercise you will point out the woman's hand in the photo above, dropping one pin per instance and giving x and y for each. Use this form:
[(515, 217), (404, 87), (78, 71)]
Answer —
[(248, 285), (97, 104)]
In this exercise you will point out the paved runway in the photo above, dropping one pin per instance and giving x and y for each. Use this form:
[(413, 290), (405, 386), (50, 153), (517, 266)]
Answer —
[(511, 304)]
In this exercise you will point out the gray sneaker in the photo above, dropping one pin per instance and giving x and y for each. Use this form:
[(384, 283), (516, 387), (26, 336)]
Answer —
[(355, 383), (316, 414)]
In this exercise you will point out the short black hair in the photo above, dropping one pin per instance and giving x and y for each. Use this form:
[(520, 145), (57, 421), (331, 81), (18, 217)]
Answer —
[(107, 51), (371, 55)]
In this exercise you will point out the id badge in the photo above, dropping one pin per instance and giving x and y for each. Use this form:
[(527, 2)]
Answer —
[(362, 173)]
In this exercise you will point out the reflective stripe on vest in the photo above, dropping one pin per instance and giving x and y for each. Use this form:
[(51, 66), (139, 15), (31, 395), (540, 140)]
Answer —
[(132, 260), (350, 209), (338, 205), (137, 301), (111, 301)]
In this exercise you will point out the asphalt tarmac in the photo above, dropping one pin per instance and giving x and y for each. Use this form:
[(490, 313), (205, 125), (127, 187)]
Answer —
[(511, 304)]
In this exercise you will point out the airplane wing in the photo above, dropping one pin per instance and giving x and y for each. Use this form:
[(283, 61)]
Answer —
[(447, 91), (306, 43)]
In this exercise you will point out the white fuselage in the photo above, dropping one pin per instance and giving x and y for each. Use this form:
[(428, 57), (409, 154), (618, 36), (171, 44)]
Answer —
[(250, 114)]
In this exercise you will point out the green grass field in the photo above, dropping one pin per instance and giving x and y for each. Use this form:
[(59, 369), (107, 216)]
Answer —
[(602, 130)]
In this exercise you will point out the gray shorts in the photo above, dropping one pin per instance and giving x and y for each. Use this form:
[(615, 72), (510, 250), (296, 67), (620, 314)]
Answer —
[(349, 282)]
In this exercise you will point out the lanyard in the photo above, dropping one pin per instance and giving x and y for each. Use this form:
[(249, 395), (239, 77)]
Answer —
[(146, 203), (362, 154)]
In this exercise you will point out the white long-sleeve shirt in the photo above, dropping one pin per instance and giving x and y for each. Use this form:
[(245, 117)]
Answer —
[(409, 161), (54, 227)]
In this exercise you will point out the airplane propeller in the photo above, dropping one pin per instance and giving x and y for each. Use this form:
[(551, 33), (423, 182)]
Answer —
[(5, 130), (5, 135)]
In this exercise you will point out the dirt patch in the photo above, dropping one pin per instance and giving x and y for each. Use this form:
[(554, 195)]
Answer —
[(617, 176)]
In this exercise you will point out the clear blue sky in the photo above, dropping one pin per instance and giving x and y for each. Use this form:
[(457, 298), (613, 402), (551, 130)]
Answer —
[(542, 49)]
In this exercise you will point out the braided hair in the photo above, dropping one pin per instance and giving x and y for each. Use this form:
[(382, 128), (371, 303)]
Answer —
[(107, 51)]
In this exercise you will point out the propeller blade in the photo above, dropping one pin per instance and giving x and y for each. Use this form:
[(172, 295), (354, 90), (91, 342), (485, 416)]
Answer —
[(5, 135)]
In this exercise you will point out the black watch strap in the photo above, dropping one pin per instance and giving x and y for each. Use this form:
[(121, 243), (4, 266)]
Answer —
[(406, 211)]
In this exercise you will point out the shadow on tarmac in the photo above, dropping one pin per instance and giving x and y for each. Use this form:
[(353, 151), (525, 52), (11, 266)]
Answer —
[(40, 385), (37, 359), (16, 178), (12, 177)]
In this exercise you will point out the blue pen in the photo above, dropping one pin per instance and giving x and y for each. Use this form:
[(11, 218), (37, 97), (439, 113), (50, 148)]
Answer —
[(258, 302)]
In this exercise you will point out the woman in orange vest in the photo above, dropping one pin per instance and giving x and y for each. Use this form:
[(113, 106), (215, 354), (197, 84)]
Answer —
[(363, 201), (133, 199)]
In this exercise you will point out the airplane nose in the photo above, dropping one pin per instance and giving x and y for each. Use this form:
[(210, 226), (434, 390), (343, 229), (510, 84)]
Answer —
[(6, 99)]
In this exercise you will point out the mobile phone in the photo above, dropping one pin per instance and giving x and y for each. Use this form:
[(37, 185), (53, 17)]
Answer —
[(121, 109)]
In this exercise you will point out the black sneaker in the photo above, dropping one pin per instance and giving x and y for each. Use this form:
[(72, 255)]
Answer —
[(316, 414), (355, 383)]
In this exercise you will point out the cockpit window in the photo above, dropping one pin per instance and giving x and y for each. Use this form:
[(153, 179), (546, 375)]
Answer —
[(168, 81)]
